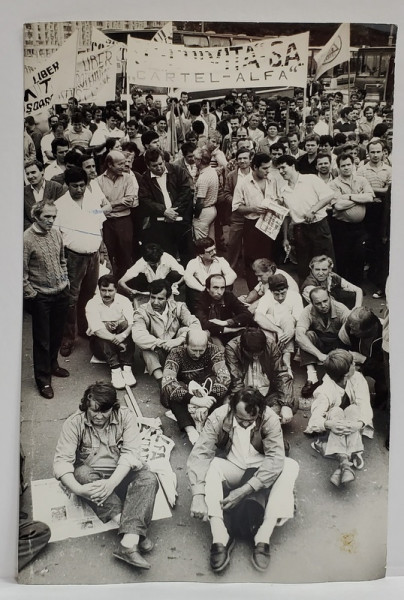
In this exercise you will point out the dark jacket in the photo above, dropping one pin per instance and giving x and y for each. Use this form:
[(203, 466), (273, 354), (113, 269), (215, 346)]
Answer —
[(52, 192), (280, 382), (228, 309), (151, 198)]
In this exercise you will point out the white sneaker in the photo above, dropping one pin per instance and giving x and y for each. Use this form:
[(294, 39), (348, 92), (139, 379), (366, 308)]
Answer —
[(128, 376), (117, 379)]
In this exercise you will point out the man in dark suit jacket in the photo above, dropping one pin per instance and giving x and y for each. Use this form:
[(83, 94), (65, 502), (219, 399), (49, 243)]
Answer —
[(37, 189), (165, 197)]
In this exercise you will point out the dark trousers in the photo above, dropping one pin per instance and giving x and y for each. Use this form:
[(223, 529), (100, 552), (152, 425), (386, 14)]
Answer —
[(312, 239), (235, 241), (118, 238), (133, 498), (48, 320), (256, 245), (174, 238), (325, 342), (83, 270), (32, 538), (349, 240), (141, 284), (114, 355)]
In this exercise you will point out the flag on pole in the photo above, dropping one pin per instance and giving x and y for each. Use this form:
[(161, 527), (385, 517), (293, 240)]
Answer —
[(172, 131), (165, 34), (54, 74), (335, 52)]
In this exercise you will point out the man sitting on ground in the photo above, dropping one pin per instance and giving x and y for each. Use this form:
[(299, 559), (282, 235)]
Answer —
[(322, 275), (160, 325), (317, 333), (264, 269), (341, 414), (239, 463), (112, 480), (277, 313), (256, 361), (220, 312), (155, 264), (110, 319), (201, 362)]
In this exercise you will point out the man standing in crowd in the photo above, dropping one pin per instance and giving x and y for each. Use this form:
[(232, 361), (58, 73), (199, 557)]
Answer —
[(46, 293), (79, 219), (250, 200), (352, 196), (37, 189), (306, 197), (206, 190), (165, 198), (118, 227), (306, 164)]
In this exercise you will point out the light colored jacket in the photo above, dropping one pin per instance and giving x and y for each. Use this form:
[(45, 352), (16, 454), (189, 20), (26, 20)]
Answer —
[(149, 329)]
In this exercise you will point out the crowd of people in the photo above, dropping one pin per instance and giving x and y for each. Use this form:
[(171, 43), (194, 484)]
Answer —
[(136, 231)]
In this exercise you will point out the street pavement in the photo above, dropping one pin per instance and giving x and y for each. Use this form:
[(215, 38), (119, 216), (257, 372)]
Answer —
[(336, 535)]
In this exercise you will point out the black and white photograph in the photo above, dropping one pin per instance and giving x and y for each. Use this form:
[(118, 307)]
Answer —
[(205, 381)]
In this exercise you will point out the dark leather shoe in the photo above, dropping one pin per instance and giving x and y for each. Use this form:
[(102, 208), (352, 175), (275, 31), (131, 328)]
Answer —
[(66, 349), (146, 545), (220, 555), (260, 556), (308, 388), (60, 372), (132, 556), (46, 391)]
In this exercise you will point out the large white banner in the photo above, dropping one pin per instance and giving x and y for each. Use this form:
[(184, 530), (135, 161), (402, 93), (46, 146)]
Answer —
[(266, 63), (54, 74), (95, 77)]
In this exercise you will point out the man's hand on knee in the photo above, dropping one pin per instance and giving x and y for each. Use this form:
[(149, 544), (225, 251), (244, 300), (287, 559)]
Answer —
[(199, 508)]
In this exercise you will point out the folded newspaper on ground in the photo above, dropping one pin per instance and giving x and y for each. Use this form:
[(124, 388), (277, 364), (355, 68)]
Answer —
[(68, 516), (271, 222)]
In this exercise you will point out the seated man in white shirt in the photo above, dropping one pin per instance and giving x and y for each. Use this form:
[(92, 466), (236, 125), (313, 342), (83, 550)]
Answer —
[(277, 313), (110, 319), (198, 270), (264, 269), (155, 264)]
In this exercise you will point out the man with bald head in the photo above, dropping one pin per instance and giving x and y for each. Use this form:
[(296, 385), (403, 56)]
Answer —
[(197, 361), (118, 188)]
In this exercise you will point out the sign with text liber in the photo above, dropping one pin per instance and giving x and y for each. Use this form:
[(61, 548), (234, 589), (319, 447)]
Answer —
[(270, 62)]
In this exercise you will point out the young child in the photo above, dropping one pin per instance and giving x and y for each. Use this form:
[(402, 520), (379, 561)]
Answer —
[(341, 413)]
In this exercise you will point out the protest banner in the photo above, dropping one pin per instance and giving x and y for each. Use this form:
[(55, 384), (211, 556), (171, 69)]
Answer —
[(99, 41), (95, 77), (54, 74), (269, 62)]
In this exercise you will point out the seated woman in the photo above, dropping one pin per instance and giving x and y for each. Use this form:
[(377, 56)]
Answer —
[(277, 313), (322, 275), (155, 264), (341, 413), (264, 268)]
